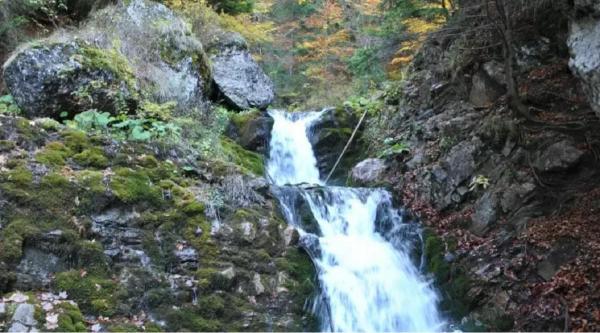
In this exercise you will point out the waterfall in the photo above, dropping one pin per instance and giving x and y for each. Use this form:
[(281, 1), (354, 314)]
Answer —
[(360, 246)]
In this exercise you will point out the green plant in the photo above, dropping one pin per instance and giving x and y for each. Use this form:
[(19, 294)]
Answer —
[(397, 148), (479, 181), (8, 105), (124, 127)]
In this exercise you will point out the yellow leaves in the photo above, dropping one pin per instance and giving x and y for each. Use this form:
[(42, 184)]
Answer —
[(253, 32), (369, 7), (323, 46), (329, 15)]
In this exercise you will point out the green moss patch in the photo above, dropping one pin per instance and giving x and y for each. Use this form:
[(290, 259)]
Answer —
[(54, 154), (249, 161), (94, 294), (132, 186), (93, 157)]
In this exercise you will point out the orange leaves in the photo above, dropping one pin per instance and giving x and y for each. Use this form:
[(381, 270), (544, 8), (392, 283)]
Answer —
[(329, 15), (324, 46)]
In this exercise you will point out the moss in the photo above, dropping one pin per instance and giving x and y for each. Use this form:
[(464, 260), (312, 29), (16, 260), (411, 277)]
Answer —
[(54, 154), (93, 157), (110, 60), (71, 319), (13, 237), (162, 112), (91, 256), (241, 119), (300, 268), (20, 176), (211, 279), (147, 161), (451, 280), (194, 208), (185, 319), (76, 140), (48, 124), (249, 161), (133, 186), (124, 328), (6, 145), (94, 294)]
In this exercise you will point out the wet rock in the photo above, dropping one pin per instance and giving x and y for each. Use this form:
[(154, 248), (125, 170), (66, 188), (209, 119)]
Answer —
[(485, 90), (240, 80), (560, 156), (369, 171), (486, 214), (251, 130), (23, 319), (329, 135), (584, 42), (72, 77)]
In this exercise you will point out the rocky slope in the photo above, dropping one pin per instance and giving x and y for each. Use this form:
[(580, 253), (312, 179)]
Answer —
[(105, 229), (511, 203)]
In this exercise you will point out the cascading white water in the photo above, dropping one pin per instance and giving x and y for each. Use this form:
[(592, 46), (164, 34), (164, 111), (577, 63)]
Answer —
[(368, 284)]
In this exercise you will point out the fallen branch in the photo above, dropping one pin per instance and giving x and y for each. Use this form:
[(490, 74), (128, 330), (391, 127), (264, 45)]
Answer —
[(347, 145)]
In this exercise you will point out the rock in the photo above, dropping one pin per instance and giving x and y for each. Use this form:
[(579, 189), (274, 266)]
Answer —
[(240, 81), (251, 130), (23, 319), (186, 255), (2, 310), (559, 156), (137, 44), (485, 90), (48, 79), (564, 251), (460, 162), (329, 135), (495, 70), (167, 59), (257, 284), (36, 268), (486, 214), (229, 273), (369, 171), (584, 43)]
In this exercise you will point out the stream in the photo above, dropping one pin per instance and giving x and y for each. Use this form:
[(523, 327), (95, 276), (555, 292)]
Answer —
[(360, 245)]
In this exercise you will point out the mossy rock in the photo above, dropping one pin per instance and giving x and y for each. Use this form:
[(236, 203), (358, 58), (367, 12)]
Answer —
[(54, 154), (247, 160), (451, 280), (134, 186), (54, 79), (71, 319), (92, 157), (94, 294)]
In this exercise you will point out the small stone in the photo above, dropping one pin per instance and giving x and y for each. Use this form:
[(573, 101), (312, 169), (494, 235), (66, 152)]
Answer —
[(228, 273), (368, 171), (259, 288), (560, 156)]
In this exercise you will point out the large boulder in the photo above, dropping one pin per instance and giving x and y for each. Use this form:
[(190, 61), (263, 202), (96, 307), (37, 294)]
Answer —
[(50, 78), (584, 44), (240, 81), (137, 44)]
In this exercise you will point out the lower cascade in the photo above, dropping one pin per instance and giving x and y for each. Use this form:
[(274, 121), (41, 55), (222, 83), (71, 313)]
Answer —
[(360, 245)]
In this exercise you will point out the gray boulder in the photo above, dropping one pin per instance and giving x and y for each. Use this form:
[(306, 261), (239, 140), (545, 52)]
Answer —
[(369, 171), (240, 80), (584, 46), (560, 156), (50, 78), (251, 130), (136, 45)]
